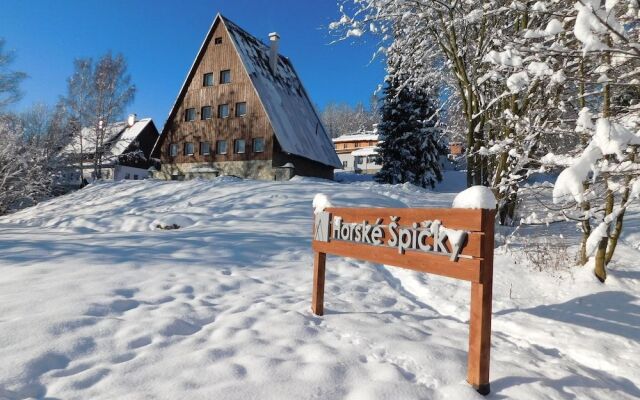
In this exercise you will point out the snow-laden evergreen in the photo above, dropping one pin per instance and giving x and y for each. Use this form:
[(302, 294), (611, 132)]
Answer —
[(409, 150)]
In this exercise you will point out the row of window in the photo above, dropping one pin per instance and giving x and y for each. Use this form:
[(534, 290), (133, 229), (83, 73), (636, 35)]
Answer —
[(239, 147), (206, 112), (352, 145), (360, 160), (225, 77)]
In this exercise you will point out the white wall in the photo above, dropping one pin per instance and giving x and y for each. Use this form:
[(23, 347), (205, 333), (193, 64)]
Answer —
[(349, 159), (125, 172), (363, 165)]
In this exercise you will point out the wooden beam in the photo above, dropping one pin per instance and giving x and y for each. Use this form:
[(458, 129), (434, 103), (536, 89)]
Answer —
[(317, 297), (465, 268), (480, 318)]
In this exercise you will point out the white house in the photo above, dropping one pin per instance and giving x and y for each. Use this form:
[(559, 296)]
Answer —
[(126, 152), (358, 152)]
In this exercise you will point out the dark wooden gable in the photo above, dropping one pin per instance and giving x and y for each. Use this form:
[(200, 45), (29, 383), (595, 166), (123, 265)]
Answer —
[(213, 58)]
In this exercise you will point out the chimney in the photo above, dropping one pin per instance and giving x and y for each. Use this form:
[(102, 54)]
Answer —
[(274, 39), (131, 120)]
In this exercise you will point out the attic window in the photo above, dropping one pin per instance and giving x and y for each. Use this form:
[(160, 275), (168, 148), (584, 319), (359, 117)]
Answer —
[(225, 76), (207, 79), (258, 145), (241, 109), (173, 151), (221, 147), (206, 112), (217, 40), (238, 146), (223, 111), (205, 148), (190, 114), (188, 149)]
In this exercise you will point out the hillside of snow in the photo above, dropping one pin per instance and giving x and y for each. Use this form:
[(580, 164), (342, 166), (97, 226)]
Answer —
[(98, 302)]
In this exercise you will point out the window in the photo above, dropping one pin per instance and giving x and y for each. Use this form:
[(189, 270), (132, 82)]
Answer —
[(127, 176), (258, 145), (206, 113), (223, 111), (135, 177), (357, 160), (241, 109), (238, 146), (190, 114), (344, 164), (173, 150), (225, 76), (207, 79), (371, 159), (221, 147), (205, 148), (188, 149), (217, 40)]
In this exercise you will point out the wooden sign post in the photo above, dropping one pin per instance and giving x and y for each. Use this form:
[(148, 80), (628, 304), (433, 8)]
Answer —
[(457, 243)]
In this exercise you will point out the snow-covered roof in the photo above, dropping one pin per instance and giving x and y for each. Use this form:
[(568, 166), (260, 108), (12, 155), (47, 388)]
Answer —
[(365, 151), (294, 119), (356, 137), (118, 137)]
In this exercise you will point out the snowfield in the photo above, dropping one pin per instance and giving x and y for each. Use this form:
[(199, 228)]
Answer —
[(97, 302)]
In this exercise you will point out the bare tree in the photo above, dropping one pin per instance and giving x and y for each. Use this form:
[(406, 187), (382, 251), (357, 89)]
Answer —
[(342, 119), (9, 80), (97, 95)]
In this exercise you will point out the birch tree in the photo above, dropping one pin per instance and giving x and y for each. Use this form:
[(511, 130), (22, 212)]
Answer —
[(9, 80), (97, 95)]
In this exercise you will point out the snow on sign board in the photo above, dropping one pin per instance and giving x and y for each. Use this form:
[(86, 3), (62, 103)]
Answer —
[(456, 243)]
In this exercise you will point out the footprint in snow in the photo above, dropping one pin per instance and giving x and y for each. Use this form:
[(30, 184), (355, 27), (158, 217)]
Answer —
[(179, 327), (139, 342)]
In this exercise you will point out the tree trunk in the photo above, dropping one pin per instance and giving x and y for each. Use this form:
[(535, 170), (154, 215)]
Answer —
[(613, 238), (617, 230), (600, 268), (586, 229), (601, 264)]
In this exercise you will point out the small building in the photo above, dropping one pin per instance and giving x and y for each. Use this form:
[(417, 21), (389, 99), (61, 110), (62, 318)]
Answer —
[(243, 111), (455, 149), (125, 152), (358, 152)]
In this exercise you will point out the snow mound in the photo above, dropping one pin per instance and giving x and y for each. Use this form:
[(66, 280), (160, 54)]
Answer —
[(168, 222), (475, 197)]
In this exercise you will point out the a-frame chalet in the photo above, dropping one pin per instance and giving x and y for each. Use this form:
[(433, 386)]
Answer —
[(243, 111)]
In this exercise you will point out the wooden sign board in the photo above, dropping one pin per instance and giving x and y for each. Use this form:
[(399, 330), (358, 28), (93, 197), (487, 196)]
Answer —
[(456, 243)]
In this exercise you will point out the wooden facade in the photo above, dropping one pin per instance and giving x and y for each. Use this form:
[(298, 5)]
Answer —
[(349, 146), (217, 56)]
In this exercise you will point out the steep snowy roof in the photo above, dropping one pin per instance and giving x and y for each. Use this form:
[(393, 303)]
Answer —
[(118, 137), (356, 137), (295, 121)]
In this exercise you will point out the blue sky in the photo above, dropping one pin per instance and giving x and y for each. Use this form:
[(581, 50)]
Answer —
[(160, 39)]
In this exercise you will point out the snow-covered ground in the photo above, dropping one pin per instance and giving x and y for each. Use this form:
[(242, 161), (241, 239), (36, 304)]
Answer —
[(96, 302)]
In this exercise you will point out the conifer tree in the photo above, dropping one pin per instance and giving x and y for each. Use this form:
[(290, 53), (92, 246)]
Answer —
[(409, 150)]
